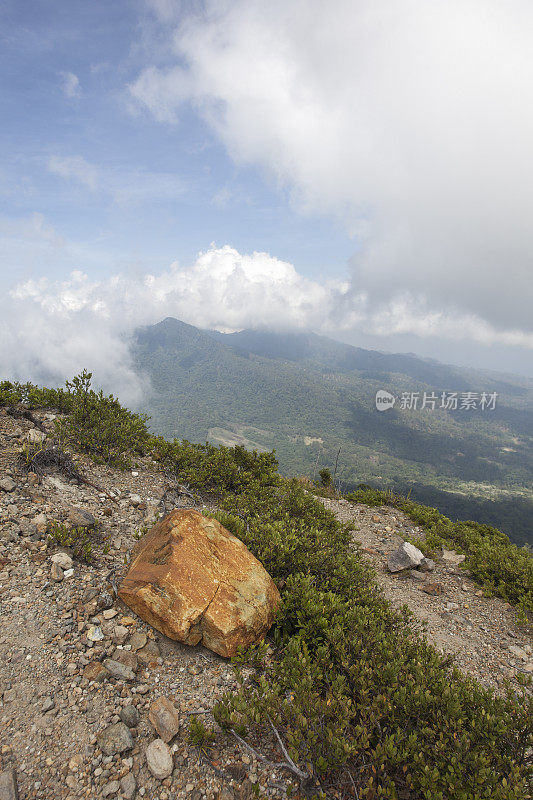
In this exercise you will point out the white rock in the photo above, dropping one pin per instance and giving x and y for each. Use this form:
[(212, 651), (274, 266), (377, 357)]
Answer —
[(406, 556), (159, 759), (518, 652), (36, 436), (94, 634), (63, 559)]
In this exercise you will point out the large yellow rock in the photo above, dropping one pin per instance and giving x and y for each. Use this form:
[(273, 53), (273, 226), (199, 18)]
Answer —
[(195, 582)]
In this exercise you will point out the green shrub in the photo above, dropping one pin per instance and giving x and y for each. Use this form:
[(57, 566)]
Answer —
[(34, 396), (354, 694), (75, 538), (199, 735), (99, 426), (325, 477), (369, 496), (96, 424), (227, 469)]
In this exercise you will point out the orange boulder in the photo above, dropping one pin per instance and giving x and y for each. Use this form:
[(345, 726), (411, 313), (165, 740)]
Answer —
[(195, 582)]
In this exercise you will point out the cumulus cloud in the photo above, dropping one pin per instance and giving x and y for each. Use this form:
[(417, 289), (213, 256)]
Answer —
[(70, 85), (50, 330), (408, 121)]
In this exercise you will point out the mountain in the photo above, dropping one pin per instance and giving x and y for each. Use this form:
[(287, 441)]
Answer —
[(307, 396)]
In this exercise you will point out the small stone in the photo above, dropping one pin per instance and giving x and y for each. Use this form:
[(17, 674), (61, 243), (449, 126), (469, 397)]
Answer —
[(115, 739), (35, 436), (75, 762), (165, 718), (79, 518), (434, 589), (7, 484), (110, 789), (452, 606), (128, 786), (159, 759), (48, 704), (135, 499), (518, 652), (95, 671), (63, 560), (405, 557), (56, 573), (130, 716), (120, 634), (68, 573), (118, 670), (451, 557), (127, 658), (109, 613), (427, 565), (8, 785), (137, 641), (94, 634), (149, 653)]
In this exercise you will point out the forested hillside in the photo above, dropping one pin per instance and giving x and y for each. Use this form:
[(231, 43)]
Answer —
[(307, 396)]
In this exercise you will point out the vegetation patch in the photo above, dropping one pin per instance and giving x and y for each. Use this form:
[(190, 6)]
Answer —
[(368, 707), (76, 538)]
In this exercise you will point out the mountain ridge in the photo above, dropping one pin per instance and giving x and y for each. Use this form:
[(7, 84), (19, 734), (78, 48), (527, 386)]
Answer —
[(241, 388)]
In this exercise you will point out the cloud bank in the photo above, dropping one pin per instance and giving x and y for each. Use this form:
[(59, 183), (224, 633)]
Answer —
[(410, 122), (50, 331)]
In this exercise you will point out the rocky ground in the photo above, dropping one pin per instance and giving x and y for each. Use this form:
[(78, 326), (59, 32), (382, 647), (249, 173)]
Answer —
[(481, 633), (84, 685)]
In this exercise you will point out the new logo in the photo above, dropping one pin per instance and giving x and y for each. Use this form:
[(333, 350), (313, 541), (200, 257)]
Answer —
[(384, 400)]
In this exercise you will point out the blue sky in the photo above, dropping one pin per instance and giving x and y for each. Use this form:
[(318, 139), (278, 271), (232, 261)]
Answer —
[(360, 170), (153, 192)]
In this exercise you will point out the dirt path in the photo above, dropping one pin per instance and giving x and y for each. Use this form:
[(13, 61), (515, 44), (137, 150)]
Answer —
[(480, 632)]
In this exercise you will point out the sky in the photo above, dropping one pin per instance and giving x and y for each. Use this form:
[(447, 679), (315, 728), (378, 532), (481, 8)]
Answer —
[(360, 169)]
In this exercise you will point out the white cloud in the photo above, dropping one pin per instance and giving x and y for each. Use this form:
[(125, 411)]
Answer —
[(409, 121), (70, 85), (75, 167), (50, 331)]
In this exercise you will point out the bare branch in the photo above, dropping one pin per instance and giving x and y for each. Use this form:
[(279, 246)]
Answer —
[(289, 764), (302, 775)]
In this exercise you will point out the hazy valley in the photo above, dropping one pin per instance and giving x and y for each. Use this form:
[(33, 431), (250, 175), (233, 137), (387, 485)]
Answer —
[(308, 396)]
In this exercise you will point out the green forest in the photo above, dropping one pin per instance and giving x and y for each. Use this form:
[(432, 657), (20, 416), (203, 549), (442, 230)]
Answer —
[(313, 400)]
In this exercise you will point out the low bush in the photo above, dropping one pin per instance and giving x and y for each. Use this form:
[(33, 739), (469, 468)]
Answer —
[(99, 426), (366, 708), (76, 538), (222, 469)]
